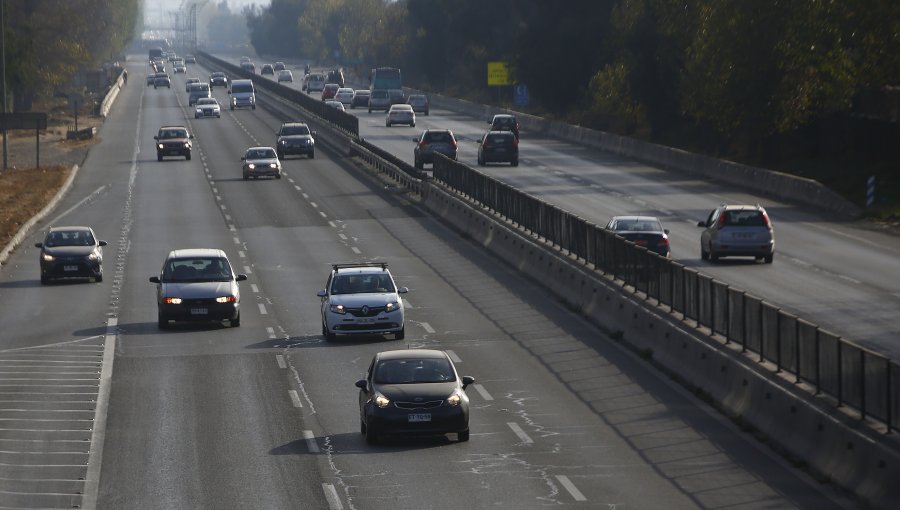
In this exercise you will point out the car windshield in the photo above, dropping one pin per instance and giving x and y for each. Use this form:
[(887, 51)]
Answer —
[(738, 218), (294, 130), (261, 154), (206, 100), (637, 225), (240, 88), (414, 371), (371, 283), (197, 269), (172, 133), (69, 238)]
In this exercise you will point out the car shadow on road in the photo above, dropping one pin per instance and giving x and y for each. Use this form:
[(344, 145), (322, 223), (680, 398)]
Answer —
[(152, 328), (355, 443), (300, 342), (26, 284)]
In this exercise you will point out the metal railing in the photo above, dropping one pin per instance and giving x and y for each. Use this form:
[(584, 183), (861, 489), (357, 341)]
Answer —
[(852, 375)]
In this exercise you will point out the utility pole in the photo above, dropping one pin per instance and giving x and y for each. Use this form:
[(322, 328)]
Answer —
[(3, 51)]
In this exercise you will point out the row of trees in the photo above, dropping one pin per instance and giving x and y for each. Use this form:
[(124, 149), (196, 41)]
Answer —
[(47, 41)]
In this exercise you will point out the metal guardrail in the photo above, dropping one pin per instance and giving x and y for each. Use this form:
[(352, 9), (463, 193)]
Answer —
[(854, 376)]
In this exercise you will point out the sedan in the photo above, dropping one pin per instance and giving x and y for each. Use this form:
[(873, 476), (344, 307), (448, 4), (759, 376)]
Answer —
[(71, 252), (198, 285), (643, 231), (362, 299), (413, 392), (261, 161), (500, 147), (400, 114), (419, 103), (207, 107), (337, 105), (162, 81), (360, 98), (285, 75), (189, 82), (344, 95)]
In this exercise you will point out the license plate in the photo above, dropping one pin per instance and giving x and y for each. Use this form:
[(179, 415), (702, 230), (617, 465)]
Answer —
[(640, 243), (199, 311), (70, 268), (419, 418)]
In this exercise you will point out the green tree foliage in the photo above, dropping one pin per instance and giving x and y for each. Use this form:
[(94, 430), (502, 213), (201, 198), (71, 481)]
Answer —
[(226, 27), (273, 29)]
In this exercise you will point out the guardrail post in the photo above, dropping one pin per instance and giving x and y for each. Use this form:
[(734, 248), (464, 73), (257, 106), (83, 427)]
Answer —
[(762, 340), (889, 408), (745, 326), (712, 306), (818, 363), (727, 314), (840, 372), (778, 341), (862, 383), (797, 348), (697, 300)]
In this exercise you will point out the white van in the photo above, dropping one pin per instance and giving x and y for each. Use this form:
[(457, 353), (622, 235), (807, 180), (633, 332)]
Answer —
[(314, 83), (242, 94)]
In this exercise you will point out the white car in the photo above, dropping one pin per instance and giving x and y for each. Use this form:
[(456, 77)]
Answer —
[(285, 75), (335, 104), (400, 114), (362, 299), (207, 107), (344, 95)]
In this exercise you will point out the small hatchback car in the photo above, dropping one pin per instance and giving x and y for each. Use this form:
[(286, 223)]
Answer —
[(71, 252), (362, 299), (413, 392), (737, 230), (173, 141), (498, 147), (198, 285), (431, 141)]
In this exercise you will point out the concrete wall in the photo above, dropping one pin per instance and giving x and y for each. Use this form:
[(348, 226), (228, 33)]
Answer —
[(779, 185)]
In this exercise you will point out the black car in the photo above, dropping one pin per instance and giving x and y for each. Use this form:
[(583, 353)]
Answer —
[(267, 69), (218, 78), (198, 285), (335, 76), (643, 231), (295, 138), (498, 147), (71, 252), (505, 122), (173, 141), (431, 141), (413, 392)]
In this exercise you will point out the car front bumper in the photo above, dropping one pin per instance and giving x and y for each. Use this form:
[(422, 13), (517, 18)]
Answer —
[(199, 310), (392, 420), (71, 268)]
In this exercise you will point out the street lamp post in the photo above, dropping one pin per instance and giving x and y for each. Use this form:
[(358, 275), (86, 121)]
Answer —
[(3, 51)]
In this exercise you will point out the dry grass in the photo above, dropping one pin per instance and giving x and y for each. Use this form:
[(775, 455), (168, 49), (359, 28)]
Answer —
[(23, 193)]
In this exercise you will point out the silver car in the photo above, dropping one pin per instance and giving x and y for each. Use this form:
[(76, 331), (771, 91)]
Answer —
[(379, 100), (737, 231), (362, 299), (207, 107), (261, 161), (400, 114)]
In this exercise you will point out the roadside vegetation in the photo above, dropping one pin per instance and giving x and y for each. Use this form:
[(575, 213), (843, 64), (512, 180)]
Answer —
[(803, 87)]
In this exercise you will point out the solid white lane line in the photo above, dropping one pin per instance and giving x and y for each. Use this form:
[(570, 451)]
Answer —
[(428, 327), (453, 356), (343, 237), (331, 496), (271, 332), (483, 392), (295, 398), (564, 480), (323, 214), (254, 288), (519, 432), (98, 431), (280, 360), (241, 254), (236, 240), (311, 443), (355, 250), (262, 309)]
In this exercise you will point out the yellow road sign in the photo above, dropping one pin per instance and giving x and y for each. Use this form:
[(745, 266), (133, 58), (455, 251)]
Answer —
[(498, 73)]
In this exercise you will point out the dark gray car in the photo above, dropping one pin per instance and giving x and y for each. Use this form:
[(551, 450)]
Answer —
[(737, 231), (432, 141)]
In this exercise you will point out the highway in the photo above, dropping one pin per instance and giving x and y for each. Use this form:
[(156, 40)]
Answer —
[(97, 399), (837, 274)]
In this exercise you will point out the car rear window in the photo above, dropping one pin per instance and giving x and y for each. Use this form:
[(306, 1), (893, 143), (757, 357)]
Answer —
[(438, 137), (502, 140), (637, 226), (738, 218)]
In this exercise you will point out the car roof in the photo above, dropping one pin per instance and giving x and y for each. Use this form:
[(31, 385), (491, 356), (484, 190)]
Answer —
[(504, 116), (173, 127), (71, 228), (412, 354), (731, 207), (634, 218), (368, 267), (401, 106), (261, 147), (292, 124), (185, 253)]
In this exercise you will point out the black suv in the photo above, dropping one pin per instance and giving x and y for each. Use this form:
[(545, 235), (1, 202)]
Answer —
[(335, 76), (431, 141), (218, 78), (173, 141), (498, 147), (505, 122), (295, 138)]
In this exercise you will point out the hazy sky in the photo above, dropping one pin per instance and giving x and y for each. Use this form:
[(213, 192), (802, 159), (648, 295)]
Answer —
[(156, 9)]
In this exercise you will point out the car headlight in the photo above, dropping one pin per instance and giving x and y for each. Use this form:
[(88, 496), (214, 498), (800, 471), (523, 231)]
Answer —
[(161, 146), (94, 256), (454, 399), (48, 257), (390, 307), (251, 166), (226, 299), (273, 165), (187, 144), (381, 401), (338, 309), (282, 142), (172, 301), (199, 110)]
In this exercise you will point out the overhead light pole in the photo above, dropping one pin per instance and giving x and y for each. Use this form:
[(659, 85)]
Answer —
[(3, 52)]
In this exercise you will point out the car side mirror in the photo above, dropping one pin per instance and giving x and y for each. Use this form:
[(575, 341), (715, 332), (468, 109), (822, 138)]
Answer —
[(229, 92), (701, 223), (666, 231), (467, 380), (156, 138), (102, 243), (243, 158), (191, 137), (402, 290), (240, 278), (321, 293), (38, 245), (415, 140), (314, 133), (362, 384), (154, 279)]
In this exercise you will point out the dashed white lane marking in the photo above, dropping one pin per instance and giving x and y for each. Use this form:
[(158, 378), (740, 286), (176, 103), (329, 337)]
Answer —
[(311, 443), (428, 328), (227, 217), (254, 288), (519, 432), (279, 358), (247, 270), (453, 355), (564, 480), (305, 195), (323, 214), (483, 392), (262, 309), (315, 205), (406, 303), (849, 279), (297, 188), (331, 496), (236, 240), (332, 224), (271, 332), (355, 250), (241, 254), (232, 228), (215, 190), (291, 180), (295, 398), (343, 237)]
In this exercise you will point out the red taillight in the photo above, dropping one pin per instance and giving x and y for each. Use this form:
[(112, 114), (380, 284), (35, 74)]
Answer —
[(515, 142), (766, 220), (722, 219), (423, 143), (453, 143), (664, 241)]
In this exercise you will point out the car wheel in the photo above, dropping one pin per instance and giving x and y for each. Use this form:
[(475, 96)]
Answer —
[(312, 155), (463, 436), (713, 256), (187, 156), (400, 335), (514, 162), (236, 322), (371, 435), (387, 124), (418, 164), (280, 155), (278, 175), (769, 258), (480, 162), (412, 125), (44, 280), (158, 157), (370, 110), (232, 108), (254, 107), (362, 427), (704, 255), (98, 278), (246, 177), (426, 113), (162, 322)]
